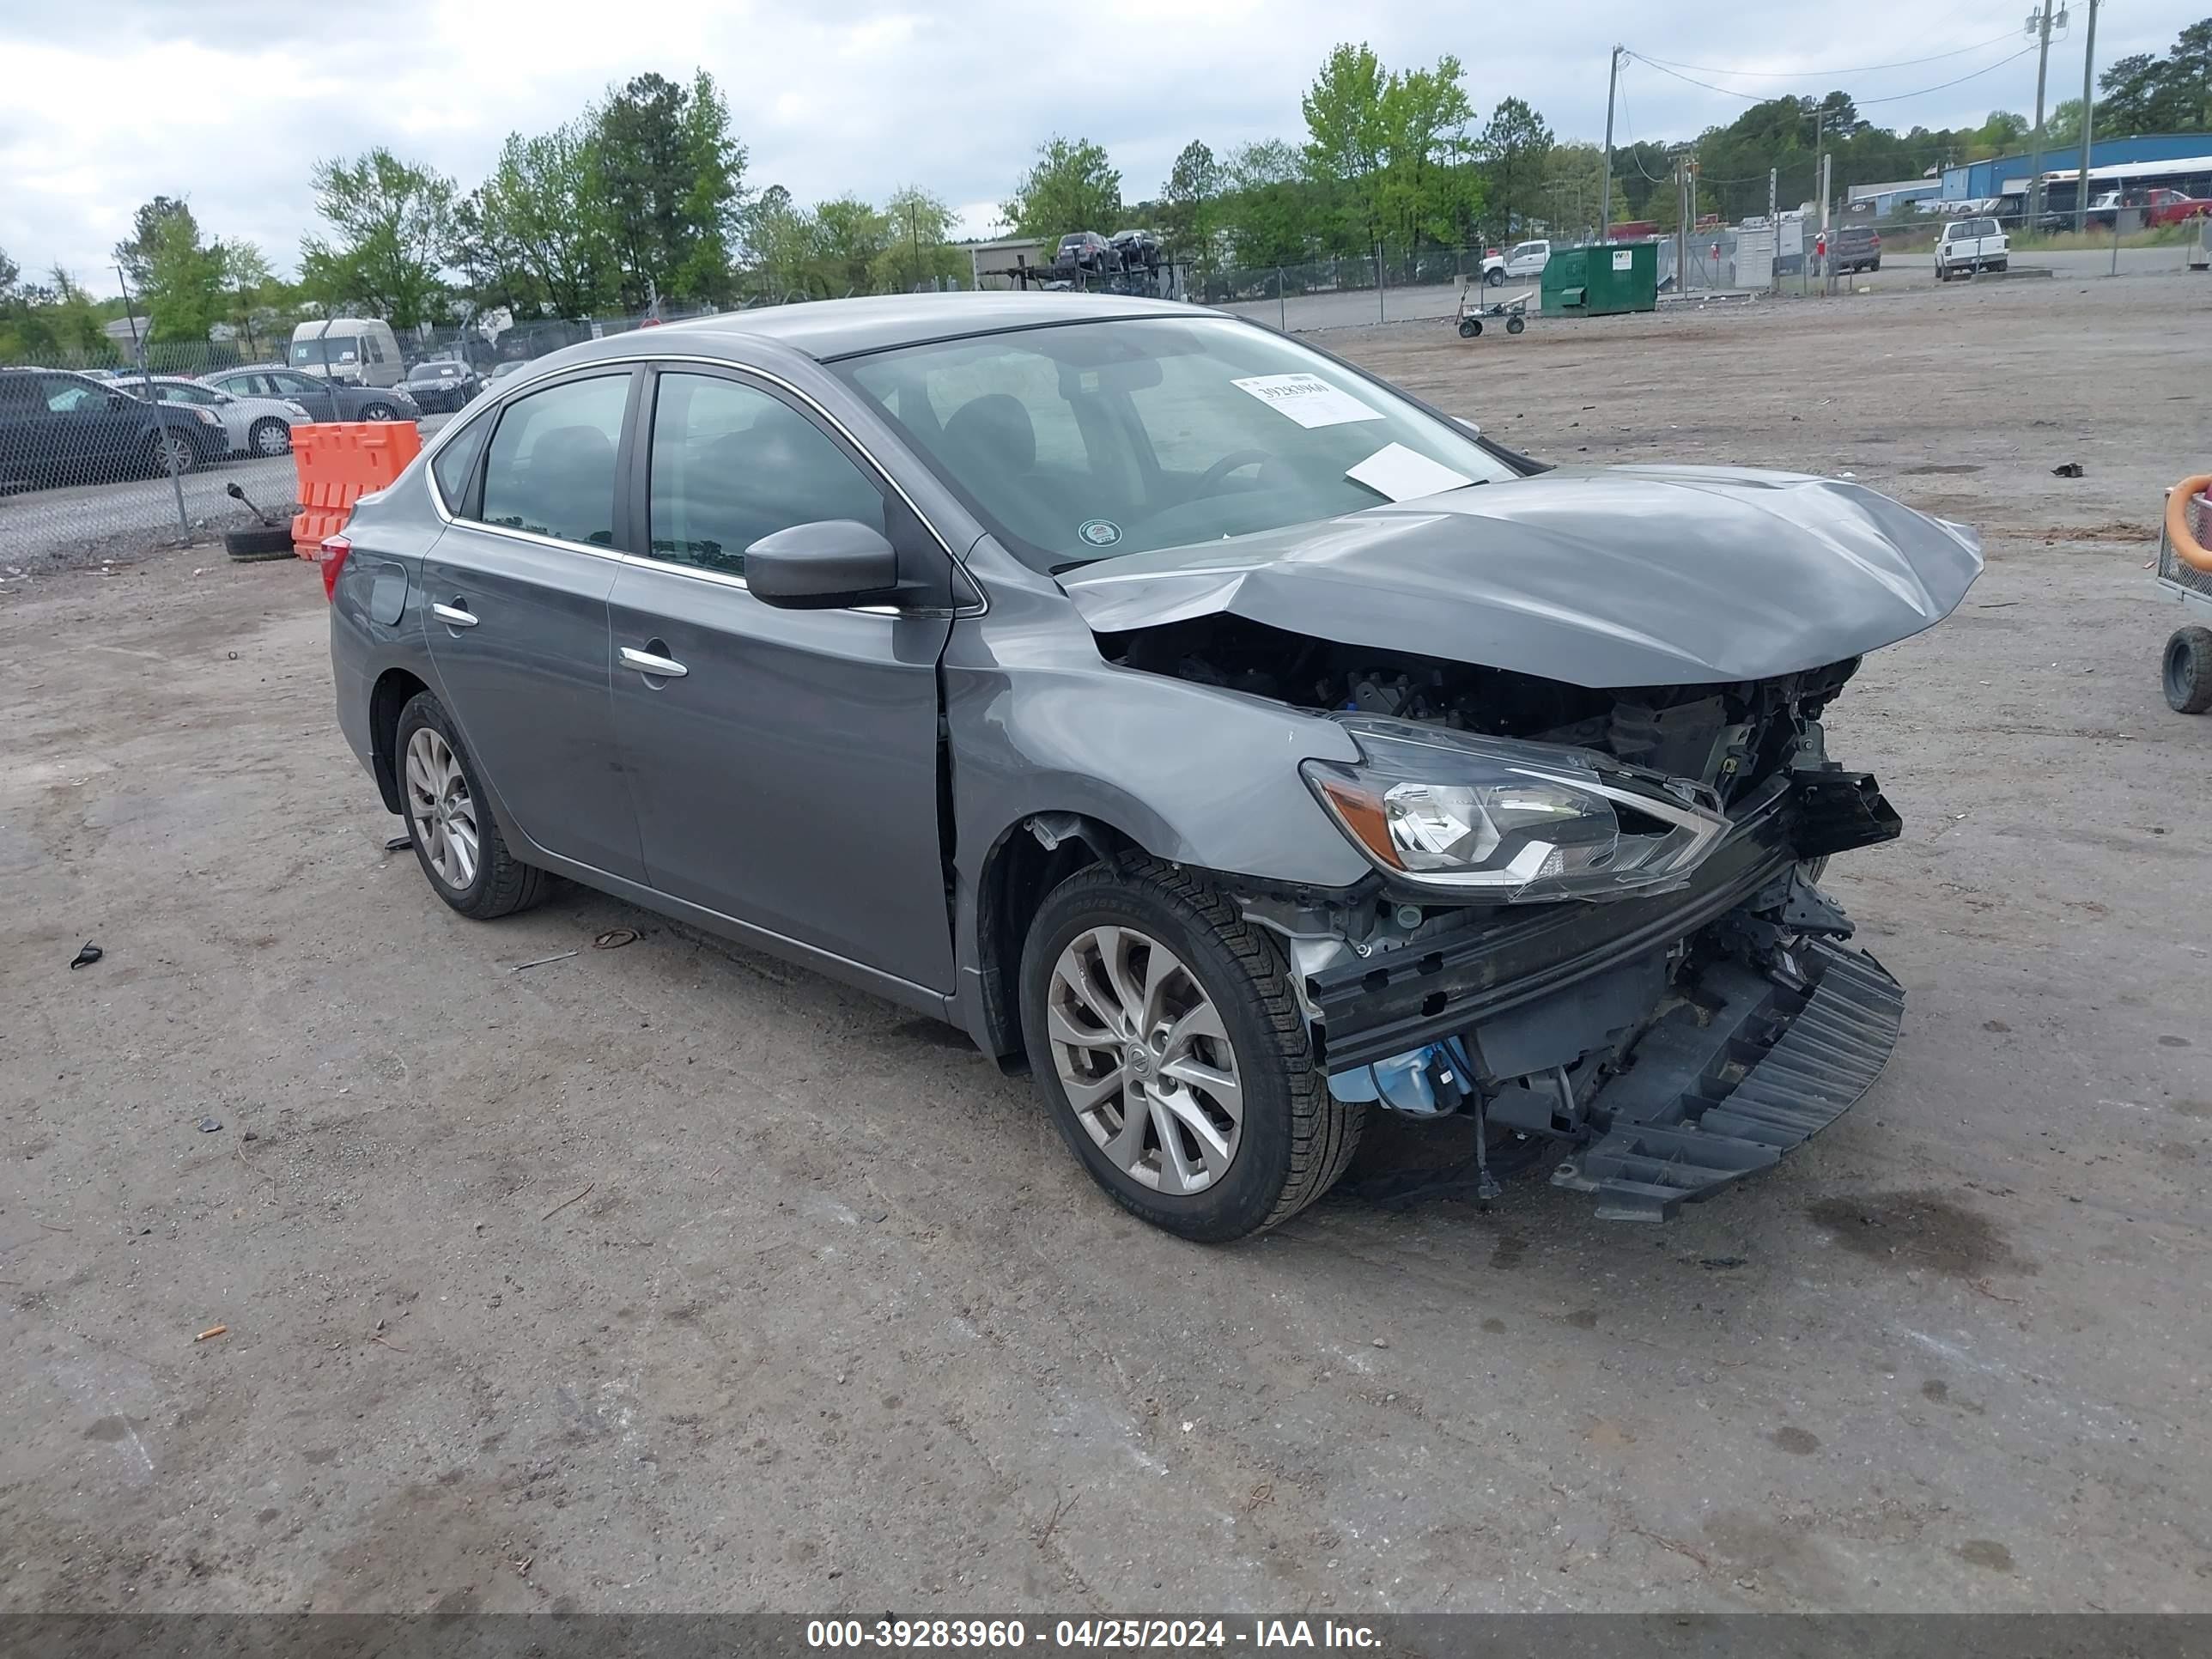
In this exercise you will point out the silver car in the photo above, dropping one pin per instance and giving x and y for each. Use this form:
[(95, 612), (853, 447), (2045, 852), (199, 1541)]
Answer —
[(1240, 744), (253, 425)]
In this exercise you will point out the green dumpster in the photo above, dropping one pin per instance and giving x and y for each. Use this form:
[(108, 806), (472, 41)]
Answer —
[(1599, 282)]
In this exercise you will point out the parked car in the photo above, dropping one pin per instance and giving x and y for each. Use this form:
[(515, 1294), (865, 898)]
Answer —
[(1085, 251), (56, 428), (1968, 245), (361, 349), (1523, 262), (252, 426), (1858, 246), (1238, 740), (2158, 206), (323, 399), (443, 385), (1138, 250)]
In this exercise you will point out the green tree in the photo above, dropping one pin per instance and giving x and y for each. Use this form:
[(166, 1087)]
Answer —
[(850, 238), (252, 293), (1515, 146), (1071, 186), (135, 254), (48, 324), (1568, 189), (394, 223), (1275, 215), (666, 178), (185, 290), (537, 216), (778, 237), (920, 253), (2004, 131), (1346, 135), (2061, 128), (1428, 190), (1190, 204)]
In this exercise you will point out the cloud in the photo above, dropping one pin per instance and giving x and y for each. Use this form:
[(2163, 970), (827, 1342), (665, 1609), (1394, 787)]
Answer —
[(230, 102)]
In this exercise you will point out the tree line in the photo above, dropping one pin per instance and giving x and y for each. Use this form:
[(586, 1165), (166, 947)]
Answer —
[(643, 200)]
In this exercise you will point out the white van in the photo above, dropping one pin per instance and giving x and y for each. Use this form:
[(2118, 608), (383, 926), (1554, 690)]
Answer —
[(360, 349)]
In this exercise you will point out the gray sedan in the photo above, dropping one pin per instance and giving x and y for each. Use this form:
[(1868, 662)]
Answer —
[(1237, 742)]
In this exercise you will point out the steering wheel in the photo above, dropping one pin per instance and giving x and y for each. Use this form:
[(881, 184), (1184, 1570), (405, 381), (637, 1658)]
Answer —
[(1227, 464)]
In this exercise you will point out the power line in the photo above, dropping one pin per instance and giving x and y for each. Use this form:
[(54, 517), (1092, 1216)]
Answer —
[(1807, 75), (1893, 98)]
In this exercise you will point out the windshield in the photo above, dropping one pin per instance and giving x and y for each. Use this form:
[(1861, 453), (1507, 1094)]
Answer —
[(1090, 441), (345, 348)]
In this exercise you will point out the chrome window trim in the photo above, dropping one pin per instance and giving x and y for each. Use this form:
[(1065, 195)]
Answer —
[(656, 359)]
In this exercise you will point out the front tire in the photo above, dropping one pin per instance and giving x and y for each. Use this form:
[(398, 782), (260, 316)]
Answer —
[(377, 412), (1172, 1055), (449, 819), (1494, 277), (270, 439), (170, 451)]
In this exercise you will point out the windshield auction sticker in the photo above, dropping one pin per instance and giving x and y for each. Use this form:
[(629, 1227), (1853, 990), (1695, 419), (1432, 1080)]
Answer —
[(1308, 399)]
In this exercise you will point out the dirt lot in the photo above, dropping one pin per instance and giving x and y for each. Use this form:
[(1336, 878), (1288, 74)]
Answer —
[(671, 1278)]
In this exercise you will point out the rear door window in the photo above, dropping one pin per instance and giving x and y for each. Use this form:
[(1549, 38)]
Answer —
[(550, 470)]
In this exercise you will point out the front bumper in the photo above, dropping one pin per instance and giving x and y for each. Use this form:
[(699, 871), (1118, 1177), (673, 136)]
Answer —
[(1677, 1041)]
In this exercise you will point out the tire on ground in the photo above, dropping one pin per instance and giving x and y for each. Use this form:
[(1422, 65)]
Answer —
[(503, 883), (2187, 670), (1297, 1137), (259, 544)]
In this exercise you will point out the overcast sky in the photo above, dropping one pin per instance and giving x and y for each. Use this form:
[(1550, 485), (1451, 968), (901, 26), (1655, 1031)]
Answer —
[(228, 102)]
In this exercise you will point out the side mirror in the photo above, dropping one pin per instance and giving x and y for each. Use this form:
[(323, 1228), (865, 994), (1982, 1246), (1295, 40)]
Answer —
[(824, 566), (1472, 428)]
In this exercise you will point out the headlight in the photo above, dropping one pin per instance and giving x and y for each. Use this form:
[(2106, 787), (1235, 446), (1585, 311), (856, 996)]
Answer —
[(207, 416), (1496, 818), (291, 408)]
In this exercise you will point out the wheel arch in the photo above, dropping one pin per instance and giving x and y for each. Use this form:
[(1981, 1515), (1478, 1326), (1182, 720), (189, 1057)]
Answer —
[(1028, 858), (394, 689)]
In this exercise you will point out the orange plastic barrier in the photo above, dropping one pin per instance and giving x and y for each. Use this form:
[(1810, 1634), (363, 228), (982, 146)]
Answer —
[(339, 462)]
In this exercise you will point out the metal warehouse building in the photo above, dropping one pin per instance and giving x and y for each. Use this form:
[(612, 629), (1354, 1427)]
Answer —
[(2006, 175)]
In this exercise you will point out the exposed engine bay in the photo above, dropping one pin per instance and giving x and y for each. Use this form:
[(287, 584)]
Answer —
[(1676, 1037), (1726, 737)]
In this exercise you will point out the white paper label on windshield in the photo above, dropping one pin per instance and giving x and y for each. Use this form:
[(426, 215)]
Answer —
[(1404, 474), (1308, 399)]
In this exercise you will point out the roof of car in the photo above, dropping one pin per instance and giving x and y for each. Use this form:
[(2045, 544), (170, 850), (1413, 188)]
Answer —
[(842, 328)]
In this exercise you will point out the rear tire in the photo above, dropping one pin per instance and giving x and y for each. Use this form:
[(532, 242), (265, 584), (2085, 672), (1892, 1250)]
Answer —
[(480, 877), (170, 450), (377, 412), (2187, 670), (1290, 1139), (1515, 324)]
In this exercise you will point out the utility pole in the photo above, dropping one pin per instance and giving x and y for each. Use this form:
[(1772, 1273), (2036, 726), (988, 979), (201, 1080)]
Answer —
[(1828, 243), (2088, 113), (1774, 229), (2040, 21), (1605, 192)]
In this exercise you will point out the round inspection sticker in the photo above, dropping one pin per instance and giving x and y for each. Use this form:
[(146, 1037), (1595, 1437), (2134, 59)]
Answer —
[(1099, 533)]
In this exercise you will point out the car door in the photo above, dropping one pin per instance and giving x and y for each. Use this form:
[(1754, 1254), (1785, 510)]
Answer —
[(517, 586), (784, 762), (94, 427), (310, 391)]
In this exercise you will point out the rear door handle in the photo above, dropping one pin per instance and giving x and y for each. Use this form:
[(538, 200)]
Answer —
[(453, 616), (654, 667)]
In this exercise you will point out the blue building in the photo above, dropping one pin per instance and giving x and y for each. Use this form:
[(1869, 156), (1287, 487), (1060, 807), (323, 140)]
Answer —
[(2006, 175)]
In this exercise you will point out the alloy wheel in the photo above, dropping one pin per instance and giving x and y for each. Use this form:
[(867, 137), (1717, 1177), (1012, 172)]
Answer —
[(1144, 1061), (174, 453), (440, 809)]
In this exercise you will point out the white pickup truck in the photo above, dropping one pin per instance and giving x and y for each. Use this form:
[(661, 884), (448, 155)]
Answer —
[(1523, 260), (1969, 245)]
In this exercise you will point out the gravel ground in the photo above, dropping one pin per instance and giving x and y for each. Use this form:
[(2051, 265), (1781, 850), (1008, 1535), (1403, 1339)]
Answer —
[(671, 1277)]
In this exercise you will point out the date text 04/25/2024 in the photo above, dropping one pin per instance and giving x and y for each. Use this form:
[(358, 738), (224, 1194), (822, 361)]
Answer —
[(988, 1635)]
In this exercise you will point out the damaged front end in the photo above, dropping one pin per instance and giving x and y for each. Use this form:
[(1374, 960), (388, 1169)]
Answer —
[(1593, 916)]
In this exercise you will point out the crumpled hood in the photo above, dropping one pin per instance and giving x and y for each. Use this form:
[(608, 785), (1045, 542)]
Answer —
[(1601, 577)]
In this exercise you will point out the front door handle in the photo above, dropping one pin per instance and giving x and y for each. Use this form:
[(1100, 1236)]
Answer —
[(453, 616), (651, 665)]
